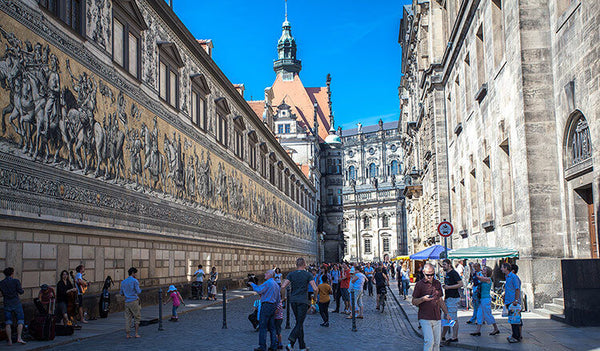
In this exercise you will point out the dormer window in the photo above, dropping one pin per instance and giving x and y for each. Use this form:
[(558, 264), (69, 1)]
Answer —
[(169, 64), (128, 24)]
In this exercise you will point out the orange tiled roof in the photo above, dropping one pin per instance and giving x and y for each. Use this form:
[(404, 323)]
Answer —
[(258, 106), (305, 169), (301, 100)]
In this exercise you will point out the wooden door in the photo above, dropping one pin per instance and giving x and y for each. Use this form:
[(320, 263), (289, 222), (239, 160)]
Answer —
[(593, 235)]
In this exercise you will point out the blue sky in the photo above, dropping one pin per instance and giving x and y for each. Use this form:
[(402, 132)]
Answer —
[(354, 40)]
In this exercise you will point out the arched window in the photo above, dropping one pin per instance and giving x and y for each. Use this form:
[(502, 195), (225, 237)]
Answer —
[(372, 170), (579, 146), (352, 173), (394, 170)]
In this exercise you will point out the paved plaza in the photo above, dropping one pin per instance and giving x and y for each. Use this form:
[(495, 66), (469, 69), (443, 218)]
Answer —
[(201, 330)]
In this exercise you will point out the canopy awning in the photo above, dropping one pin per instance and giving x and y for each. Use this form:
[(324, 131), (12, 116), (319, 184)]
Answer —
[(397, 258), (430, 253), (483, 252)]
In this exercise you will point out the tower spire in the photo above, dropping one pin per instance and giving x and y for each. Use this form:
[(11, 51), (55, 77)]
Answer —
[(286, 63)]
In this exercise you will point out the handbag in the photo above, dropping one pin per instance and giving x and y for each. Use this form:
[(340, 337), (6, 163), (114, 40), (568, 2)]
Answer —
[(514, 314)]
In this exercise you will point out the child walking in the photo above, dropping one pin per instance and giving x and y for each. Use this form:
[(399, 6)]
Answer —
[(279, 321), (174, 296), (324, 290)]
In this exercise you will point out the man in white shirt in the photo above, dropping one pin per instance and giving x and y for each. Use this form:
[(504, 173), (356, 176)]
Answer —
[(199, 274), (356, 283)]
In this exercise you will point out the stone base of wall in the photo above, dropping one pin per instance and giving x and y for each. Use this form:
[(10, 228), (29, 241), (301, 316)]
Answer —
[(40, 251)]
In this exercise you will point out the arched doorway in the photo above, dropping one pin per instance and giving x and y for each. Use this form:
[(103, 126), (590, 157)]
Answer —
[(580, 191)]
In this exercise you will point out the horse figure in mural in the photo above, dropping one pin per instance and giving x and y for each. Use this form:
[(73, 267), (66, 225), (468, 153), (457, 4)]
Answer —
[(83, 114), (109, 141)]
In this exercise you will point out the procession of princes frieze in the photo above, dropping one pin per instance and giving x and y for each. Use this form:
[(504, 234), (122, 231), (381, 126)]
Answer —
[(57, 113)]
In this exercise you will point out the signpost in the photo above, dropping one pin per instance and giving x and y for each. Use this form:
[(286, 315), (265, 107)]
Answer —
[(445, 229)]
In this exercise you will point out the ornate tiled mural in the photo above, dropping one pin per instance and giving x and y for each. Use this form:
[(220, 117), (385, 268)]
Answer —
[(65, 129)]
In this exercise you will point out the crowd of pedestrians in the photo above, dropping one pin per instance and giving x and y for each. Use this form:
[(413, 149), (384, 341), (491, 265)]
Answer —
[(312, 288), (432, 298)]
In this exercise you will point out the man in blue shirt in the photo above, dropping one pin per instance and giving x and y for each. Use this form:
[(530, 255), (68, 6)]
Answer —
[(11, 289), (512, 295), (369, 271), (130, 288), (270, 295)]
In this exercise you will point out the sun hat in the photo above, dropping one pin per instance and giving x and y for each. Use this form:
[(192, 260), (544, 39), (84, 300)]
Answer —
[(171, 288)]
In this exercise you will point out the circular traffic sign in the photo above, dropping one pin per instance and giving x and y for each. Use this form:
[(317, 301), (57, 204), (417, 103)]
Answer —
[(445, 229)]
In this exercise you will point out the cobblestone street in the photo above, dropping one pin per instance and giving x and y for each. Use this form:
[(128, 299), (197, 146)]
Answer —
[(201, 330)]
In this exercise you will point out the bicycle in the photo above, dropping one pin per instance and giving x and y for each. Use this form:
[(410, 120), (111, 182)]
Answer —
[(381, 298), (497, 295)]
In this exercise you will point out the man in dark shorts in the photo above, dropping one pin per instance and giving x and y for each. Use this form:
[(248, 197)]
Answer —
[(299, 280), (452, 283), (11, 289), (344, 286), (381, 281)]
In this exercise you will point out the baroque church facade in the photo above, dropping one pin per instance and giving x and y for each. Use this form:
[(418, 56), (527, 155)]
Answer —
[(499, 119), (373, 194), (301, 118), (123, 144)]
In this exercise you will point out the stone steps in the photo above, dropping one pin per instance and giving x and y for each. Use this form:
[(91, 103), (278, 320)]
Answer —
[(554, 310)]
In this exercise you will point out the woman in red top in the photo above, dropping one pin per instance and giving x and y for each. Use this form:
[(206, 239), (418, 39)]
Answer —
[(344, 285)]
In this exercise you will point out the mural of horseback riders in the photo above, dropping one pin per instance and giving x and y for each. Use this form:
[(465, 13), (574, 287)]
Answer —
[(64, 115)]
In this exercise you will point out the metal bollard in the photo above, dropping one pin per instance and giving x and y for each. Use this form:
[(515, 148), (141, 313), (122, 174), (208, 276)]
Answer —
[(353, 311), (287, 306), (160, 305), (224, 308)]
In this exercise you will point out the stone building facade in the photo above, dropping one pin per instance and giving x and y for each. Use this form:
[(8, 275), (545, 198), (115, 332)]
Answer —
[(517, 110), (123, 144), (373, 201), (301, 118)]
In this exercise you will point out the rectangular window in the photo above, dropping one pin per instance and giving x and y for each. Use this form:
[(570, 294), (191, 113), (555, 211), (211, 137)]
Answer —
[(133, 55), (222, 129), (467, 85), (239, 144), (163, 81), (263, 166), (474, 201), (367, 245), (386, 244), (194, 108), (287, 128), (118, 54), (506, 178), (173, 89), (479, 46), (69, 12), (498, 31), (280, 129), (252, 155), (202, 117)]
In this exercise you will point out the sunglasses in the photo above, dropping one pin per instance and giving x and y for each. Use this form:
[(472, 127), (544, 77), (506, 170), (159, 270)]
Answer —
[(430, 275)]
